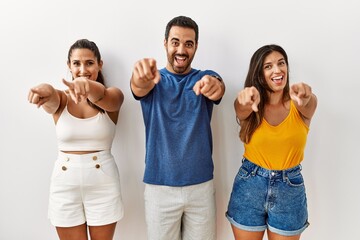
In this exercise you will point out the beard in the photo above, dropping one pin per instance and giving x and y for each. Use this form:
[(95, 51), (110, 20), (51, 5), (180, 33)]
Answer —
[(183, 69)]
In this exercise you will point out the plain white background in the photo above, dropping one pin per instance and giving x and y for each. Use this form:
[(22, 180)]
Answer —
[(321, 38)]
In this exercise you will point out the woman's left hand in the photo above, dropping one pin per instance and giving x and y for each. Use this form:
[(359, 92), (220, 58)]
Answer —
[(300, 93), (79, 89)]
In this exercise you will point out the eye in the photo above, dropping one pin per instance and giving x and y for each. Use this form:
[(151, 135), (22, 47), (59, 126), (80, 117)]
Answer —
[(90, 63), (174, 44), (267, 67), (281, 63), (189, 44), (76, 63)]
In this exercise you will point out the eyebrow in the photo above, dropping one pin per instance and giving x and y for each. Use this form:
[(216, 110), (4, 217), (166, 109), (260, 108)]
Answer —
[(87, 60), (178, 40), (281, 59)]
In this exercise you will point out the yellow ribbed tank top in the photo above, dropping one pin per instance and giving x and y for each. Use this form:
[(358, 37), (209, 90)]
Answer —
[(278, 147)]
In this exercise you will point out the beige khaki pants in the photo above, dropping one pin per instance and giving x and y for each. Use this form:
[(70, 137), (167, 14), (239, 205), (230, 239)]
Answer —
[(174, 213)]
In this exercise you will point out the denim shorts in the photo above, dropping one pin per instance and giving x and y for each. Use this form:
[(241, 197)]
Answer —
[(268, 199)]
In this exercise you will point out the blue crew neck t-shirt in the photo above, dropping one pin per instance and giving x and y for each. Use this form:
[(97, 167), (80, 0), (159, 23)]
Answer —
[(178, 131)]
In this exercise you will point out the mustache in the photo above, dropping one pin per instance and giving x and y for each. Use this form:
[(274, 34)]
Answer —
[(181, 55)]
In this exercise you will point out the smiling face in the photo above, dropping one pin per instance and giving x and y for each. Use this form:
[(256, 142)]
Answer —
[(180, 49), (83, 63), (275, 71)]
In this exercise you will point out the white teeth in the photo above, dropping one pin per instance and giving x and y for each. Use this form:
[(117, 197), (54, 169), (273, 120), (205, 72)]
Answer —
[(277, 78)]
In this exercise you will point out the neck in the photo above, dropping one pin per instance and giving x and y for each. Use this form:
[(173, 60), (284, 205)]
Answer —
[(275, 98)]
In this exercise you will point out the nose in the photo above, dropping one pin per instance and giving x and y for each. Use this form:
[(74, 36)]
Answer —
[(82, 68), (277, 69), (181, 49)]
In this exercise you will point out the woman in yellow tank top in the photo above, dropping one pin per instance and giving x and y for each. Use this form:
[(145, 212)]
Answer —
[(268, 191)]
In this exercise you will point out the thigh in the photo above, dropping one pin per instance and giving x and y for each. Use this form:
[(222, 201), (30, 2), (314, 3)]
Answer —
[(163, 212), (72, 233), (275, 236), (65, 200), (101, 192), (105, 232), (246, 208), (103, 204), (199, 218), (240, 234), (288, 215)]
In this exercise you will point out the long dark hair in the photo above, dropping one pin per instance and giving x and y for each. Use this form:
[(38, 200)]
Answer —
[(86, 44), (255, 77)]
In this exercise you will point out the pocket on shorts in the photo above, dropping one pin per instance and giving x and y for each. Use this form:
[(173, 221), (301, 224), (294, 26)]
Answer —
[(243, 173), (109, 169), (58, 170), (295, 181)]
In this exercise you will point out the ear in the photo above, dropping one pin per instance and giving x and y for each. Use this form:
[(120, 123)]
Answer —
[(165, 43), (68, 64), (100, 65)]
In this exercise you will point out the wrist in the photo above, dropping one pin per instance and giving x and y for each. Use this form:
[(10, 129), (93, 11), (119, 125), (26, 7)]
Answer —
[(218, 78)]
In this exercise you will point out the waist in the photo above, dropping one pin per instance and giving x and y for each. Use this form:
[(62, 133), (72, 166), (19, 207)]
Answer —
[(83, 160), (268, 173)]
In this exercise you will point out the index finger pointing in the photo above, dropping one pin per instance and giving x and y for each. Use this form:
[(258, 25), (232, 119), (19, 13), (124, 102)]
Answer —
[(67, 83)]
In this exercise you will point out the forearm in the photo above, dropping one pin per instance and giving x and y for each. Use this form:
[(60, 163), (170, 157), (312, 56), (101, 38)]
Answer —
[(52, 105), (97, 91), (309, 108), (241, 111), (221, 89)]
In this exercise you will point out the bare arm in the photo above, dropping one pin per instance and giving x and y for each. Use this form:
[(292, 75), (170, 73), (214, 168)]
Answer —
[(110, 99), (246, 102), (144, 77), (305, 101), (46, 96)]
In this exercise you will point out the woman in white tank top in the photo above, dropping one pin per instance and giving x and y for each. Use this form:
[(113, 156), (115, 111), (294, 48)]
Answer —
[(85, 187)]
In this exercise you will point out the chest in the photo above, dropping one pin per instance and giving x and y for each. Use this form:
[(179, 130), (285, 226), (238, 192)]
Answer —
[(276, 114), (82, 110)]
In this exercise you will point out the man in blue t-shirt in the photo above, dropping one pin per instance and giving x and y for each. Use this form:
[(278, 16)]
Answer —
[(177, 103)]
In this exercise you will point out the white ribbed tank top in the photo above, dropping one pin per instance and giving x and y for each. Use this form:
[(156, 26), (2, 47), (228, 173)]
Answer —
[(89, 134)]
